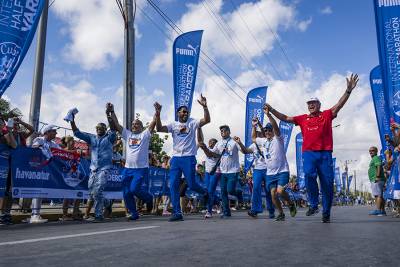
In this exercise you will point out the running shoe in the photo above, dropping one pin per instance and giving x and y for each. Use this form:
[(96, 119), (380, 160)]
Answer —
[(133, 217), (252, 214), (271, 215), (312, 211), (176, 218), (326, 218), (280, 217), (293, 210), (37, 219), (208, 215), (382, 213), (374, 212)]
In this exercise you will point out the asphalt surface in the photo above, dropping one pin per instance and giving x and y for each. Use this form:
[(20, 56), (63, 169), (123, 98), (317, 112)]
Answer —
[(352, 239)]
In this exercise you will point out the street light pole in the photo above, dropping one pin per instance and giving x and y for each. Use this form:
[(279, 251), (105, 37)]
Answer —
[(129, 81), (37, 83)]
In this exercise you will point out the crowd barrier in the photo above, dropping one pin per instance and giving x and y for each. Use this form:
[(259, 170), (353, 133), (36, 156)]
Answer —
[(65, 175)]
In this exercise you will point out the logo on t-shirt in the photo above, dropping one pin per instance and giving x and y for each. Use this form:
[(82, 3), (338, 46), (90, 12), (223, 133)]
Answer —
[(134, 142), (183, 130)]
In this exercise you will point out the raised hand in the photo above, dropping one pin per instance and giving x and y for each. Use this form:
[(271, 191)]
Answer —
[(109, 107), (267, 108), (236, 139), (157, 108), (254, 121), (202, 101), (352, 82)]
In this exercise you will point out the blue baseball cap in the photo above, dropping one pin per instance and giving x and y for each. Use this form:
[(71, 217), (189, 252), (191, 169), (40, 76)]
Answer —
[(268, 126)]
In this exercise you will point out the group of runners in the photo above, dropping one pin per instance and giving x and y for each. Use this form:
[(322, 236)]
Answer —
[(222, 162)]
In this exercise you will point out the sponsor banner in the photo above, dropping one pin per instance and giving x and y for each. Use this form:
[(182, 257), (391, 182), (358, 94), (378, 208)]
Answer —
[(66, 175), (387, 20), (286, 132), (301, 181), (18, 22), (4, 167), (255, 101), (338, 182), (344, 178), (349, 182), (63, 175), (186, 52), (393, 184), (381, 105)]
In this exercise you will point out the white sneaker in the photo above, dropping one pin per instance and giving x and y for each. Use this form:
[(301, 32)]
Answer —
[(208, 215), (37, 219)]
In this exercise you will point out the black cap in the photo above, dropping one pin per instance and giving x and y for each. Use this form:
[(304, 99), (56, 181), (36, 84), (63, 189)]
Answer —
[(226, 127)]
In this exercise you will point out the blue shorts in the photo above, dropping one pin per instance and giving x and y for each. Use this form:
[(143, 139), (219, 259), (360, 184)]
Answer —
[(280, 179)]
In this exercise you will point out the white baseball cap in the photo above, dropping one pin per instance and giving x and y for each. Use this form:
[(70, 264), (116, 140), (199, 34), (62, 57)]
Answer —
[(48, 128), (313, 99)]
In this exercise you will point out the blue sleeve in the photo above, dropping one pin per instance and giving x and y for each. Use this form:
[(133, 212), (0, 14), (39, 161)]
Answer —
[(84, 136), (112, 137)]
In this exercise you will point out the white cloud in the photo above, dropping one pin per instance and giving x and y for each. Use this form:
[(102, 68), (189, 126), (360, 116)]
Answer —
[(95, 29), (303, 25), (326, 10), (260, 17)]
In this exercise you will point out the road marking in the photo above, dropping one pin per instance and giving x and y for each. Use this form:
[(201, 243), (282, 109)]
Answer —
[(76, 235)]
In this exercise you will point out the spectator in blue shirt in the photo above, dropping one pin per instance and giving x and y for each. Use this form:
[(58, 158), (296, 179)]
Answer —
[(101, 151)]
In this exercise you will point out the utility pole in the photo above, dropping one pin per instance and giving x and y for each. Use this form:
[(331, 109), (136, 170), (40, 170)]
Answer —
[(36, 95), (355, 183), (129, 81)]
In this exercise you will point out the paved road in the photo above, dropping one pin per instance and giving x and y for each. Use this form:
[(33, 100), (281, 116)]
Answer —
[(352, 239)]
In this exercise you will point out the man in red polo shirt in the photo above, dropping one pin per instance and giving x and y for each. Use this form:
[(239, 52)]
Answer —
[(316, 129)]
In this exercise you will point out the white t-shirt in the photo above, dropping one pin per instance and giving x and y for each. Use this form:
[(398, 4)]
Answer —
[(137, 148), (230, 157), (45, 146), (211, 161), (259, 161), (274, 153), (184, 137)]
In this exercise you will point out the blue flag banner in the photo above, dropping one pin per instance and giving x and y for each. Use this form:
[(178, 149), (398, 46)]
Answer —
[(18, 22), (393, 184), (286, 132), (4, 167), (344, 178), (186, 52), (301, 181), (349, 182), (254, 108), (338, 182), (380, 104), (387, 20)]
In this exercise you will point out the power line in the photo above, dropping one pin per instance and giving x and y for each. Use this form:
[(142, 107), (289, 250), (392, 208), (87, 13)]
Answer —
[(277, 39), (200, 68), (256, 41), (220, 23), (174, 27)]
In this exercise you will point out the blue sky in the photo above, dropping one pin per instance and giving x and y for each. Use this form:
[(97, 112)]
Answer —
[(324, 41)]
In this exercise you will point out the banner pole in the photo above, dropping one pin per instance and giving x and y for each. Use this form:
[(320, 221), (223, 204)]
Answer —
[(37, 83)]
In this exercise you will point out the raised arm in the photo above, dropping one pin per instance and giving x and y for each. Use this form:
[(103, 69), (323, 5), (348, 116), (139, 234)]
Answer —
[(207, 151), (255, 122), (244, 149), (10, 139), (200, 136), (160, 128), (280, 116), (271, 119), (112, 118), (27, 126), (203, 102), (351, 84)]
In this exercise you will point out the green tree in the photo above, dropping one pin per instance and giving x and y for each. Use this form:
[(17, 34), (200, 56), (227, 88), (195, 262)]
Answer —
[(7, 112), (157, 144)]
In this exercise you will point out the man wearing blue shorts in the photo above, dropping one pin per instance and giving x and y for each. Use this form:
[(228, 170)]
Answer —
[(136, 143), (184, 151), (277, 166)]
